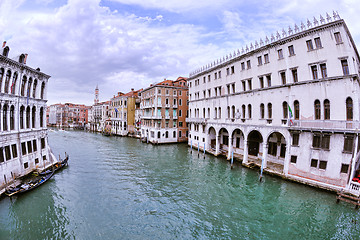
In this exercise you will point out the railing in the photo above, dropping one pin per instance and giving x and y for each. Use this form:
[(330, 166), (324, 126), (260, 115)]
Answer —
[(324, 124), (196, 120), (355, 188)]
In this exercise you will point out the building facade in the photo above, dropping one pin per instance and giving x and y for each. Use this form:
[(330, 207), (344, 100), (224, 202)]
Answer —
[(164, 108), (101, 114), (23, 133), (290, 103), (68, 115)]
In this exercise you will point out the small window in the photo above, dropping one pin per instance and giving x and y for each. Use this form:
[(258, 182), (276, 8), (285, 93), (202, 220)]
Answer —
[(318, 42), (232, 70), (14, 150), (26, 165), (266, 58), (348, 143), (314, 163), (322, 165), (29, 145), (7, 153), (293, 159), (261, 81), (268, 79), (243, 66), (23, 148), (338, 39), (36, 160), (2, 159), (248, 64), (323, 70), (259, 60), (309, 45), (280, 54), (249, 85), (344, 168), (314, 72), (316, 141), (295, 139), (283, 78), (291, 51), (42, 143), (345, 67), (227, 71), (244, 85), (295, 75)]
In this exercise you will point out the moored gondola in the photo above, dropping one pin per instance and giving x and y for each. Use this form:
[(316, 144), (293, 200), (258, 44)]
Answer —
[(57, 166)]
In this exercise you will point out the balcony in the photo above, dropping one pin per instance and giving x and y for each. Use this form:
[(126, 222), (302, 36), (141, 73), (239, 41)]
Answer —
[(167, 105), (196, 120), (175, 106), (324, 124)]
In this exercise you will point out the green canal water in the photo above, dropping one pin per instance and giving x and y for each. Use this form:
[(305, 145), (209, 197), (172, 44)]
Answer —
[(119, 188)]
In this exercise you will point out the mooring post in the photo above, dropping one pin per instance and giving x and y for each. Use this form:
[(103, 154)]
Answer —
[(232, 159), (261, 169), (190, 145), (6, 184), (198, 149), (204, 150)]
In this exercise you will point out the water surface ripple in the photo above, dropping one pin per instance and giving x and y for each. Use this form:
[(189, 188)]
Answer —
[(119, 188)]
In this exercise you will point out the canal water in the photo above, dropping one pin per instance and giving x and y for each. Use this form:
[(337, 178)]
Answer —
[(119, 188)]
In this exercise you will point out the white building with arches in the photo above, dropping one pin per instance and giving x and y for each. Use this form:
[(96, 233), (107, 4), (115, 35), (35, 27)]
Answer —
[(290, 101), (23, 132)]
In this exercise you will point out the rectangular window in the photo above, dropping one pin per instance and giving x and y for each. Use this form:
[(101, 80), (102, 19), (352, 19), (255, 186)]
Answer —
[(219, 74), (272, 150), (314, 163), (180, 124), (309, 45), (318, 42), (314, 72), (225, 140), (179, 134), (344, 168), (295, 139), (280, 54), (259, 60), (323, 70), (244, 85), (293, 159), (227, 71), (291, 51), (23, 148), (283, 78), (325, 142), (338, 39), (42, 143), (29, 146), (266, 58), (44, 158), (348, 143), (232, 70), (26, 165), (248, 64), (7, 153), (204, 79), (243, 66), (322, 164), (316, 141), (249, 84), (2, 159), (209, 78), (295, 75), (215, 75), (36, 160), (14, 150), (345, 67), (268, 79), (261, 80)]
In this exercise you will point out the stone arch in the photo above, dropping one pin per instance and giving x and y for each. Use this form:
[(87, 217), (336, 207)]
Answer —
[(238, 138), (254, 140), (224, 139), (276, 144), (212, 137)]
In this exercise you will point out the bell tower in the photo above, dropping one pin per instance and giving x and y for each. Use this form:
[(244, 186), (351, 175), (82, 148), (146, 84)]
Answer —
[(96, 100)]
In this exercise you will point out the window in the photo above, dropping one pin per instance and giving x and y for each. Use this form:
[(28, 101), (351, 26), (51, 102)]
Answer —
[(317, 109), (261, 80), (269, 110), (345, 67), (321, 141), (314, 163), (243, 111), (42, 143), (249, 84), (227, 71), (322, 164), (318, 42), (180, 102), (179, 134), (41, 117), (266, 58), (34, 145), (293, 159), (283, 77), (296, 110), (23, 148), (314, 72), (232, 70), (344, 168), (272, 150), (295, 139), (248, 64), (325, 142), (243, 66), (29, 146), (5, 107), (291, 51), (219, 74), (249, 111), (14, 150), (309, 45), (7, 153), (348, 143), (326, 109), (12, 119), (259, 60), (262, 111), (323, 70), (295, 76), (209, 78), (215, 76), (268, 79), (174, 134), (225, 140), (280, 54), (26, 165), (244, 85), (349, 109), (338, 39), (285, 110), (2, 159), (36, 160)]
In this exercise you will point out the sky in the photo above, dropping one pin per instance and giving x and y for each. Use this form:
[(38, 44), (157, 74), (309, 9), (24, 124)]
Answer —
[(124, 44)]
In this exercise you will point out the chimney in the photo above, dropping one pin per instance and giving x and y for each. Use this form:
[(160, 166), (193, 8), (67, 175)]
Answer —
[(4, 43), (25, 58)]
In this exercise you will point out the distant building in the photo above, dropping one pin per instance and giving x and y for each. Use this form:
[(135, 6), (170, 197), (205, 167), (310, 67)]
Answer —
[(23, 133), (68, 115), (290, 103), (100, 113), (164, 108), (124, 108)]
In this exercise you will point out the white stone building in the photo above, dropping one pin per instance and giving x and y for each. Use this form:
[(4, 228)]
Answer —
[(290, 102), (23, 132)]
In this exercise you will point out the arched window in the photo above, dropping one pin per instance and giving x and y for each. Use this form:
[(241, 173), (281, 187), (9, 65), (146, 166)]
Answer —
[(41, 117), (228, 112), (349, 109), (22, 110), (12, 118), (5, 108), (33, 116), (13, 84), (233, 111), (326, 109), (215, 113), (7, 81), (34, 88), (28, 92), (285, 110), (296, 110), (1, 77), (28, 117), (22, 58), (166, 134), (42, 90), (23, 83), (208, 113), (317, 109), (219, 112), (269, 111), (243, 111), (204, 113), (174, 134), (249, 111), (262, 111)]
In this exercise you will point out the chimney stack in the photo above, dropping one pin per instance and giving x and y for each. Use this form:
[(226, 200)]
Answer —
[(25, 58), (4, 43)]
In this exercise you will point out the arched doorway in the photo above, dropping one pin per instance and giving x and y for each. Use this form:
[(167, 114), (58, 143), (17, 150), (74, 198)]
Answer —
[(224, 140), (254, 140), (238, 141), (276, 148), (212, 138)]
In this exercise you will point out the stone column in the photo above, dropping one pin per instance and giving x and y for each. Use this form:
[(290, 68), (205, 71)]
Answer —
[(230, 148), (287, 157), (245, 158), (1, 118), (265, 150), (217, 149)]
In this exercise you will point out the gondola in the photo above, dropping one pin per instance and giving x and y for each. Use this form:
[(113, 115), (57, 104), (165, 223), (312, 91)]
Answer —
[(57, 166), (28, 186)]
